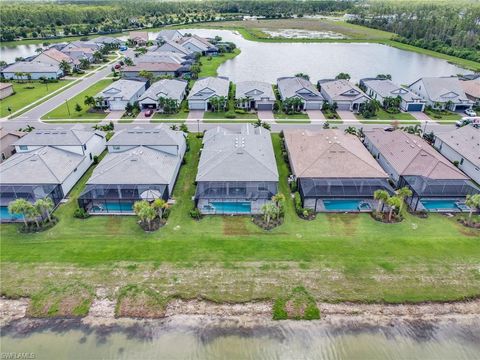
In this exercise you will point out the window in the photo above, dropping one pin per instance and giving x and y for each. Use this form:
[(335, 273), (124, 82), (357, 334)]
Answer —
[(461, 162), (91, 157), (23, 147), (74, 170), (3, 156), (116, 148), (84, 146)]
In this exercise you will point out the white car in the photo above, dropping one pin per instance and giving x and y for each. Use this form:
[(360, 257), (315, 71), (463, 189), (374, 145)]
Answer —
[(470, 112)]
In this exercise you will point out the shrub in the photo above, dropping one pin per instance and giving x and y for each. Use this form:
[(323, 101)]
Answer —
[(95, 159), (230, 115), (293, 186), (240, 111), (80, 213), (195, 214), (109, 135)]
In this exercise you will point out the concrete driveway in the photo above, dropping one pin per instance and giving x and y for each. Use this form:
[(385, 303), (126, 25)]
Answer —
[(194, 115), (316, 115), (141, 116), (419, 115), (346, 115), (115, 115), (266, 115)]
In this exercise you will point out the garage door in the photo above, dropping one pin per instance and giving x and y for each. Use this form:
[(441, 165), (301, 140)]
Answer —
[(196, 105), (461, 107), (313, 105), (264, 106), (343, 106), (414, 107)]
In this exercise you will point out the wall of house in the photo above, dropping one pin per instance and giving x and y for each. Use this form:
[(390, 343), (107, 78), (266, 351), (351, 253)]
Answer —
[(73, 178), (35, 75), (7, 148), (466, 166), (171, 183)]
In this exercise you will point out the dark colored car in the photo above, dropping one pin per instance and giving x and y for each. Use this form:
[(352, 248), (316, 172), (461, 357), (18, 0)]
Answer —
[(148, 113)]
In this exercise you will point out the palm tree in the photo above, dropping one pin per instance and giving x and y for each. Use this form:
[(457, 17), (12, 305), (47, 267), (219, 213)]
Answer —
[(351, 130), (473, 202), (97, 56), (65, 67), (269, 211), (45, 206), (84, 63), (342, 76), (382, 196), (20, 207), (100, 101), (395, 203), (145, 212), (403, 193), (89, 101), (160, 205)]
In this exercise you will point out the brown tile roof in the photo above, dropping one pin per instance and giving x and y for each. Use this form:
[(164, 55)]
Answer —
[(330, 154), (159, 66), (139, 35), (5, 85), (471, 87), (16, 133), (409, 154), (57, 55)]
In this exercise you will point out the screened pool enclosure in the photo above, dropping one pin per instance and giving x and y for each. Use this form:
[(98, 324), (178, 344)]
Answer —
[(118, 199)]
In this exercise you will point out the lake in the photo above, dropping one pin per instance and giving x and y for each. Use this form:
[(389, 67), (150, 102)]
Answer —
[(268, 61), (196, 337)]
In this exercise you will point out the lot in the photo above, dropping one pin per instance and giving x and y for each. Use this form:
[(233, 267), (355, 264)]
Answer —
[(210, 64), (68, 112), (337, 257), (26, 93)]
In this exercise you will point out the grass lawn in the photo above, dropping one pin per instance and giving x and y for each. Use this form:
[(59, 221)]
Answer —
[(61, 112), (24, 95), (291, 121), (221, 115), (383, 115), (209, 67), (283, 116), (182, 114), (336, 257), (438, 115)]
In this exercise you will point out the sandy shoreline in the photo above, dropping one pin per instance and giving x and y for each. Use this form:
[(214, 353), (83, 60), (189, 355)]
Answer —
[(102, 312)]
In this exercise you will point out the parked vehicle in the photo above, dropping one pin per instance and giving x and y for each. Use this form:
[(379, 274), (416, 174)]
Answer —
[(118, 66), (148, 113), (474, 120), (470, 112), (389, 129)]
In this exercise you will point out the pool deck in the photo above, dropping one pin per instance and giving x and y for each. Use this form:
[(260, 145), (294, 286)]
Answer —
[(371, 202)]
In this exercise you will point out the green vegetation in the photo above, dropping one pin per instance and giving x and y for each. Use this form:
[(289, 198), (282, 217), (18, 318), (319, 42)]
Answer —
[(381, 114), (223, 115), (299, 305), (442, 115), (26, 93), (216, 258), (282, 116), (210, 64), (65, 111), (140, 301)]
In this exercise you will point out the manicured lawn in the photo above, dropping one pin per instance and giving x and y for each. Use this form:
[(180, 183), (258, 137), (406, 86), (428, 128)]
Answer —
[(282, 115), (443, 115), (337, 257), (26, 93), (383, 115), (221, 115), (210, 65), (62, 111), (292, 121), (182, 114)]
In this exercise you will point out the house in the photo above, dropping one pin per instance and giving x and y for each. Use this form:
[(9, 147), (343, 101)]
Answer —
[(256, 95), (117, 95), (379, 89), (35, 69), (161, 56), (107, 40), (237, 172), (139, 38), (196, 44), (47, 163), (80, 53), (174, 47), (297, 87), (346, 95), (55, 57), (442, 93), (141, 164), (167, 88), (436, 184), (334, 171), (168, 35), (92, 45), (6, 89), (205, 89), (472, 89), (462, 146), (156, 68), (7, 139)]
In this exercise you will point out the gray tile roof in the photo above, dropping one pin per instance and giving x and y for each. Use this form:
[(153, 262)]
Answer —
[(443, 89), (176, 46), (168, 88), (232, 156), (58, 137), (124, 89), (386, 88), (342, 90), (139, 166), (465, 141), (254, 89), (300, 87), (160, 56), (160, 135), (210, 86), (31, 67), (47, 165), (169, 35)]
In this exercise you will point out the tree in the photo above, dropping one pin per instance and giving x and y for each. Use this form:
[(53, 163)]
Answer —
[(78, 108), (351, 130), (128, 61), (473, 202), (382, 196), (392, 104), (384, 76), (100, 101), (342, 76), (89, 101), (403, 193), (269, 211), (45, 206), (302, 75), (20, 207), (84, 63), (65, 67), (159, 205), (146, 74), (145, 212), (97, 56), (369, 108), (394, 203)]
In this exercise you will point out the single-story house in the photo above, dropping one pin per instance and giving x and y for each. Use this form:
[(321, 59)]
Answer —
[(117, 95), (442, 93), (6, 89), (47, 163), (141, 164), (55, 57), (7, 139), (35, 69), (436, 184), (206, 88), (333, 170), (91, 44), (161, 56), (170, 35), (379, 89), (156, 68), (80, 53), (237, 172), (139, 38), (346, 95), (174, 47), (107, 40), (472, 89), (196, 44), (167, 88), (256, 95), (462, 147), (297, 87)]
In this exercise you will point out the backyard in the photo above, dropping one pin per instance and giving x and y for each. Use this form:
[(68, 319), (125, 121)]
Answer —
[(65, 111), (337, 257), (210, 64), (26, 93)]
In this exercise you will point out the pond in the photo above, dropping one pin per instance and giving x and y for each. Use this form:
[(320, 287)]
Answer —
[(268, 61), (183, 337)]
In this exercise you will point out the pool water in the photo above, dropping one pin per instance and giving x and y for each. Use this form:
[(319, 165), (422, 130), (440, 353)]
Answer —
[(440, 204), (6, 216), (232, 207), (345, 205), (112, 207)]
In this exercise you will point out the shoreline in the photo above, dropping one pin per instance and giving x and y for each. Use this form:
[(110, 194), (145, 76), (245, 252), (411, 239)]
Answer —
[(102, 312)]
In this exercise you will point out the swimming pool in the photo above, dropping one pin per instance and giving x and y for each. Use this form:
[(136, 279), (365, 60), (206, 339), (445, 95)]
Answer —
[(6, 216), (440, 204), (231, 207), (346, 205), (112, 207)]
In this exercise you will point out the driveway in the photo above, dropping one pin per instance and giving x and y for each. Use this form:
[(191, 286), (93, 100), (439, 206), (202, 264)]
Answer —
[(266, 115), (141, 116), (195, 115), (316, 115), (346, 115), (419, 115), (115, 115)]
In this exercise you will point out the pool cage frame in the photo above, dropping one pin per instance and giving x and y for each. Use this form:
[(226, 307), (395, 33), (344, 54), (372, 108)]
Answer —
[(427, 188), (257, 193), (316, 189), (123, 196)]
